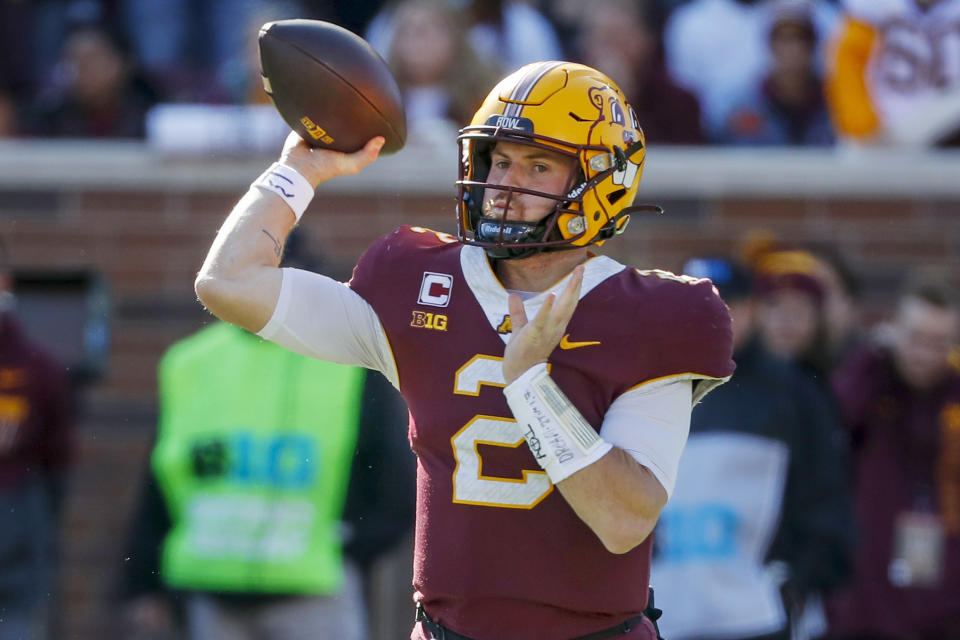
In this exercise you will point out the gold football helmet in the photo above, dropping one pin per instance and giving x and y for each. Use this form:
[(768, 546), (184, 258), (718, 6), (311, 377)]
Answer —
[(567, 108)]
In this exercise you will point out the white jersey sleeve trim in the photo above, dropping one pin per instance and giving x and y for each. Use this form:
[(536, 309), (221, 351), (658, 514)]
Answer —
[(652, 423), (319, 317)]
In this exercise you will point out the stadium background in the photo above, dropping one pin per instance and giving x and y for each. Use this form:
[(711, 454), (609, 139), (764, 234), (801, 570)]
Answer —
[(143, 220)]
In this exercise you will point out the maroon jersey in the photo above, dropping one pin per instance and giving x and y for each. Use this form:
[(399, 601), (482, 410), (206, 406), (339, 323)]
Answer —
[(499, 554), (906, 457)]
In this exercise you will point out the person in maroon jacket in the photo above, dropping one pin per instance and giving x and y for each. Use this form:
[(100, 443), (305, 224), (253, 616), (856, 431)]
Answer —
[(35, 426), (901, 402), (549, 387)]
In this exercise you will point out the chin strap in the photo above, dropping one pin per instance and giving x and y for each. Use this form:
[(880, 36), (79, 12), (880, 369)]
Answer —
[(617, 161), (613, 226)]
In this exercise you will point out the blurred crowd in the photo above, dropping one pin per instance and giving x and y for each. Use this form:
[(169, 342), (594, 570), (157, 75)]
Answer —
[(819, 491), (732, 72)]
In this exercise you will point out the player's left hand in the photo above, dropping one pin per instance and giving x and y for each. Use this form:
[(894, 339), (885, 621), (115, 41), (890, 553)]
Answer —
[(533, 342)]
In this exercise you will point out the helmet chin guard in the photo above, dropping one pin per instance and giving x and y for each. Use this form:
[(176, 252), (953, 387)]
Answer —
[(564, 108)]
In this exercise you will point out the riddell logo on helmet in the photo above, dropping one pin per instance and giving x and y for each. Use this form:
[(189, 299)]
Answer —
[(511, 122), (577, 191)]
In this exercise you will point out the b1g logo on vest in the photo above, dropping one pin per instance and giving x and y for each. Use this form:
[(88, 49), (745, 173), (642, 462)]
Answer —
[(435, 289)]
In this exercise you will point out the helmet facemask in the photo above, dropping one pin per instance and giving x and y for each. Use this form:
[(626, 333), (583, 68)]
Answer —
[(501, 237)]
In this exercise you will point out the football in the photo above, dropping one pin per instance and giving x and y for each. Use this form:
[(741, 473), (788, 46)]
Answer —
[(330, 85)]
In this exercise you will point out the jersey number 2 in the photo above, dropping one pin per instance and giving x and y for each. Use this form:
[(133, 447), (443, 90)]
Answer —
[(470, 486)]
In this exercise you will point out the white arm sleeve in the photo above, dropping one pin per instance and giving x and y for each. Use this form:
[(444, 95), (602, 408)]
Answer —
[(651, 423), (319, 317)]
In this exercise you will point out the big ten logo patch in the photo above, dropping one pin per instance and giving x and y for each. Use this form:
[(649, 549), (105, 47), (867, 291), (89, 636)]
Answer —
[(505, 326), (315, 131), (283, 461), (435, 289), (427, 320)]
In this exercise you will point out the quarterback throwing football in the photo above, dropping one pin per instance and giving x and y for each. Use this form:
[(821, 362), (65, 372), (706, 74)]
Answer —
[(549, 388)]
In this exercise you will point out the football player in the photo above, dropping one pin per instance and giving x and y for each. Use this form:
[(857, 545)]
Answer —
[(549, 387)]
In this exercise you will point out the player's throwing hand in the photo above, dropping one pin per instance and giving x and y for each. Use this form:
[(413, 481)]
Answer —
[(533, 342), (319, 165)]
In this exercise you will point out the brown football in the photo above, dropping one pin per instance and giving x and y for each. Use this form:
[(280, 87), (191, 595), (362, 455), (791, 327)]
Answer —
[(330, 85)]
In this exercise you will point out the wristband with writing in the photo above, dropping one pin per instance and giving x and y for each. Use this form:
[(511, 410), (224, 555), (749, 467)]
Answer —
[(289, 184)]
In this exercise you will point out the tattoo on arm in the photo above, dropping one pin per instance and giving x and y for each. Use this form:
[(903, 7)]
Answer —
[(277, 247)]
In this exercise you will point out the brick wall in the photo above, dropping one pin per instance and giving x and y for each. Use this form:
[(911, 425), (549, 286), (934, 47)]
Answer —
[(145, 224)]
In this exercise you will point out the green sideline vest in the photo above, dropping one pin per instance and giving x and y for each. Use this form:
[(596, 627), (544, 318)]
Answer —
[(253, 458)]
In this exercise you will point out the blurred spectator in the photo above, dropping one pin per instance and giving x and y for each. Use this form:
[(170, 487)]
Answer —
[(36, 421), (790, 310), (249, 124), (512, 32), (842, 302), (49, 22), (832, 292), (193, 49), (249, 84), (504, 33), (760, 523), (99, 92), (354, 15), (787, 107), (618, 40), (566, 17), (268, 468), (894, 76), (901, 402), (716, 48), (719, 49), (441, 77), (278, 576)]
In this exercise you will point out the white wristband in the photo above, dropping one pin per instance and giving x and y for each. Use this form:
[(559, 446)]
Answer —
[(561, 439), (289, 184)]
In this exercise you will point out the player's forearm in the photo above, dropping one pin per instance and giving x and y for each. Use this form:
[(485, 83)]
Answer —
[(240, 279), (611, 492), (617, 498)]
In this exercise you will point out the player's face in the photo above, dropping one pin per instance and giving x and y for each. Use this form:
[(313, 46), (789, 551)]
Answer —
[(518, 165)]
